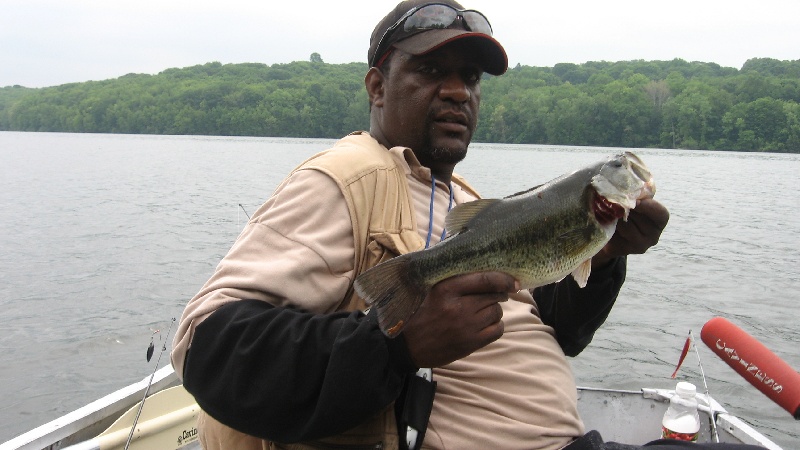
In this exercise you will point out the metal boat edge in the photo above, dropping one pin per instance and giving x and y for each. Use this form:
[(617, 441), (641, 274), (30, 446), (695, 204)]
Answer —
[(92, 419), (628, 416), (631, 416)]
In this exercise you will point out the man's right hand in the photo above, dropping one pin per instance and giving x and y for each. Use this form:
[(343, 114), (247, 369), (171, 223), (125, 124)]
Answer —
[(460, 315)]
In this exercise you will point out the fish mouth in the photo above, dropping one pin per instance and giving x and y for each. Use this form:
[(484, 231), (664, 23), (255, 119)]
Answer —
[(606, 211), (648, 190), (640, 169), (621, 182)]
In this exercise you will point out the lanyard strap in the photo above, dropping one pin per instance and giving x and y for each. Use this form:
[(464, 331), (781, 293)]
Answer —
[(430, 214), (420, 388)]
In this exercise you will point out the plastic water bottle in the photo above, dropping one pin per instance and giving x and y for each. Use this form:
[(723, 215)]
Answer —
[(681, 421)]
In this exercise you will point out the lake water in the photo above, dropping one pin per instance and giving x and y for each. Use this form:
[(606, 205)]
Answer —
[(104, 238)]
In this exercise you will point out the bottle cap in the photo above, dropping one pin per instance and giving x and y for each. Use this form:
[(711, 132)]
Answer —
[(685, 389)]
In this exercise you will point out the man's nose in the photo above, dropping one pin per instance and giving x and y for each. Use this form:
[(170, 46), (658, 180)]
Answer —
[(454, 88)]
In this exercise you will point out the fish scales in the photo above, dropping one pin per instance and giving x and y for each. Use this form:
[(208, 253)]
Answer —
[(538, 255), (538, 236)]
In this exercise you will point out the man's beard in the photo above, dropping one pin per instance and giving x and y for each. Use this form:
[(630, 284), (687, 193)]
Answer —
[(448, 155), (445, 154)]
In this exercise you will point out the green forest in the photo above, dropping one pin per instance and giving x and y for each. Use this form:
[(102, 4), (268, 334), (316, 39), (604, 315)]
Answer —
[(667, 104)]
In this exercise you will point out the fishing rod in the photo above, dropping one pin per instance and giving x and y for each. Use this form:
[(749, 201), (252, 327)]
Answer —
[(705, 385), (150, 349), (690, 342), (245, 211)]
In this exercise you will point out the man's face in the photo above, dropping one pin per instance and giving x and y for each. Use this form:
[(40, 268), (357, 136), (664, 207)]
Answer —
[(430, 103)]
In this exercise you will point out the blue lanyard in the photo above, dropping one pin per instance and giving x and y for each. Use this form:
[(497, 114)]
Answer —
[(430, 215)]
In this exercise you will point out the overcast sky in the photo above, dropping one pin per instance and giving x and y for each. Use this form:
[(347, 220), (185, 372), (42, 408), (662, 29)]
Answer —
[(52, 42)]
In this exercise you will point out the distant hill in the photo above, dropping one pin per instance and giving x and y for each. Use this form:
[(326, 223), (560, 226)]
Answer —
[(673, 104)]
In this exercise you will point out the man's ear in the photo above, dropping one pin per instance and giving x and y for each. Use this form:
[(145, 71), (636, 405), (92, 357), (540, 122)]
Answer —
[(374, 81)]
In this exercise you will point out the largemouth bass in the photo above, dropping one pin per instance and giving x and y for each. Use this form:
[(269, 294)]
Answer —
[(538, 236)]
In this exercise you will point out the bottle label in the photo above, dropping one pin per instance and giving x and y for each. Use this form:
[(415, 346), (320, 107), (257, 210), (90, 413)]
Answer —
[(666, 433)]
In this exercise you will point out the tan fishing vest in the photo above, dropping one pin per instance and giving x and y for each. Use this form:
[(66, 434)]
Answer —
[(376, 191)]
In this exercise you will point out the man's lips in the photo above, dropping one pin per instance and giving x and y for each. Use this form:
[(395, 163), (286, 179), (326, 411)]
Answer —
[(452, 121)]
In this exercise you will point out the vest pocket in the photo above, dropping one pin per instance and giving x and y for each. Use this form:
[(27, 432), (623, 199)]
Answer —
[(386, 245)]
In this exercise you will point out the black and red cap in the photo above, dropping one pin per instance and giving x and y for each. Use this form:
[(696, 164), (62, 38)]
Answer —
[(469, 26)]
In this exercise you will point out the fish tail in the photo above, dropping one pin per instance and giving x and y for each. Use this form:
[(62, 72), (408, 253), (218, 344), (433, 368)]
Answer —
[(394, 290)]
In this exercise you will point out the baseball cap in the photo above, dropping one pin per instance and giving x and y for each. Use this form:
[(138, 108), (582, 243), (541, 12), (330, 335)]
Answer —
[(469, 26)]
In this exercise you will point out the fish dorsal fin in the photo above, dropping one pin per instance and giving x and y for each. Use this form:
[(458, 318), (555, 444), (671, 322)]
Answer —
[(457, 219), (582, 272), (523, 192)]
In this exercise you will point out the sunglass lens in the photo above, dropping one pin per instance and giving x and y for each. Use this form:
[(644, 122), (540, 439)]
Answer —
[(477, 22), (431, 16)]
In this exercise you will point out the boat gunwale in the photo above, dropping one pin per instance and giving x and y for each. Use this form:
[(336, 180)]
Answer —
[(90, 420)]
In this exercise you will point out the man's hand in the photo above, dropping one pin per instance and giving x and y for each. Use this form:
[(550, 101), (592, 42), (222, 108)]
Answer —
[(460, 315), (641, 231)]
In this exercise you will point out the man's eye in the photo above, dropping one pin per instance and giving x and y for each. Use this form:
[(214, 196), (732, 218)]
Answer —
[(431, 70)]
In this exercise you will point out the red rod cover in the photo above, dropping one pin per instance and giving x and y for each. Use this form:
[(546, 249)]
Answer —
[(754, 362)]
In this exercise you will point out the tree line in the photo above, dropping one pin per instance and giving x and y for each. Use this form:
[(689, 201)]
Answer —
[(669, 104)]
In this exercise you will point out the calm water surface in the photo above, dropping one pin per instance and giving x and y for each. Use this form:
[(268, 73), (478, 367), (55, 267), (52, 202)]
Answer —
[(105, 237)]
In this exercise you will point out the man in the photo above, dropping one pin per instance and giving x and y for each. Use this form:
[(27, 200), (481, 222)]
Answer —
[(276, 347)]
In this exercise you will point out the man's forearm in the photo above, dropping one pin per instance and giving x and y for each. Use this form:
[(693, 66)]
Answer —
[(289, 376), (576, 313)]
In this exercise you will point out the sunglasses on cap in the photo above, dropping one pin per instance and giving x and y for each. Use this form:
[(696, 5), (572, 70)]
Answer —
[(433, 16)]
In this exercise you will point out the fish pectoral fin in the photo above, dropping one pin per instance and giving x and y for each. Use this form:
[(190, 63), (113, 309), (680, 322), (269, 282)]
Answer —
[(457, 219), (582, 272), (393, 292), (573, 241)]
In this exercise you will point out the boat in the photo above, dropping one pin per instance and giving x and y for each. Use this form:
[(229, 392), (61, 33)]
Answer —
[(168, 419), (634, 417), (163, 415)]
